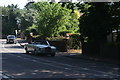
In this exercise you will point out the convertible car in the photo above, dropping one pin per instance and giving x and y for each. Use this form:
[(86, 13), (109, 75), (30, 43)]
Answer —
[(40, 47)]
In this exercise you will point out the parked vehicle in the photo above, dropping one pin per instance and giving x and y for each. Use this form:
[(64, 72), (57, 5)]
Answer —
[(40, 47), (11, 39)]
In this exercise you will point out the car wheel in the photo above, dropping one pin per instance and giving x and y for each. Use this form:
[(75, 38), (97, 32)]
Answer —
[(35, 52), (27, 52), (52, 54)]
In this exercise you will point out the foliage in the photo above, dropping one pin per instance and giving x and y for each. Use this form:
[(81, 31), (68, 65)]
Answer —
[(113, 44), (76, 42), (73, 23), (95, 23), (118, 38), (49, 19), (9, 19), (53, 18), (115, 13), (72, 6), (33, 29), (26, 32), (63, 33), (77, 13), (27, 19), (59, 38), (75, 35)]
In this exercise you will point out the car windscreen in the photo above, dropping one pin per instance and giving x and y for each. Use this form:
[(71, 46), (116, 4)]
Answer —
[(41, 42), (11, 37)]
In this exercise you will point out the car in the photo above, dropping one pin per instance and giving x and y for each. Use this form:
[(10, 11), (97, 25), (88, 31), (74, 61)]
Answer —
[(40, 47), (11, 39)]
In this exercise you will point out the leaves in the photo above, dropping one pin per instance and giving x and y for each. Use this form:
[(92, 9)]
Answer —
[(9, 19), (53, 18)]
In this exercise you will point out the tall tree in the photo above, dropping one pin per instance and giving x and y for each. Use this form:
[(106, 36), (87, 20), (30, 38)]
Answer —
[(115, 22), (9, 19), (96, 25), (53, 18), (27, 16)]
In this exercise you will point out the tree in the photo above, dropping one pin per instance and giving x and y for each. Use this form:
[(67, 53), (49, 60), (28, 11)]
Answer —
[(53, 18), (9, 19), (74, 22), (96, 25), (26, 21), (115, 14), (4, 20)]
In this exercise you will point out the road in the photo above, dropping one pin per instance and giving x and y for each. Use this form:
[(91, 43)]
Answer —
[(17, 64)]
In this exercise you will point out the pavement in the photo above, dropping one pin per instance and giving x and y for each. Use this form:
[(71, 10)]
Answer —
[(22, 42)]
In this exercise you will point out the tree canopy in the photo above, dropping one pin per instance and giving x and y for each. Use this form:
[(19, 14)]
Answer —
[(96, 22), (53, 18), (9, 21)]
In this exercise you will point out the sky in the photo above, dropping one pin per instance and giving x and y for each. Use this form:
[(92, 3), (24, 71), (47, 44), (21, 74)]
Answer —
[(20, 3)]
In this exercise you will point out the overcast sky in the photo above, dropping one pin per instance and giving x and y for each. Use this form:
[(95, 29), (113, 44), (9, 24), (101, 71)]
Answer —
[(20, 3)]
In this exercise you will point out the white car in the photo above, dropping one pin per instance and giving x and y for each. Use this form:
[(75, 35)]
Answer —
[(40, 47), (11, 39)]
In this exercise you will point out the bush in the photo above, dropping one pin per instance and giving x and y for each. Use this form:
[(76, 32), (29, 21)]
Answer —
[(118, 38), (60, 38), (76, 43), (27, 32), (63, 33), (34, 31), (113, 44), (75, 35)]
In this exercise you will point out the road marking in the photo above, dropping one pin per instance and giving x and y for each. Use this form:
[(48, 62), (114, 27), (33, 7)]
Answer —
[(4, 75), (59, 64), (67, 68), (74, 66), (18, 56), (33, 60), (100, 72), (49, 64)]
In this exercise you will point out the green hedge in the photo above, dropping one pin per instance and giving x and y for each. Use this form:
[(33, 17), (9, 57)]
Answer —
[(27, 32), (76, 43), (60, 38), (63, 33)]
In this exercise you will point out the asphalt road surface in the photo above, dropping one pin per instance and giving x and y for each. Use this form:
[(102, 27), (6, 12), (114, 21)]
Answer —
[(17, 64)]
